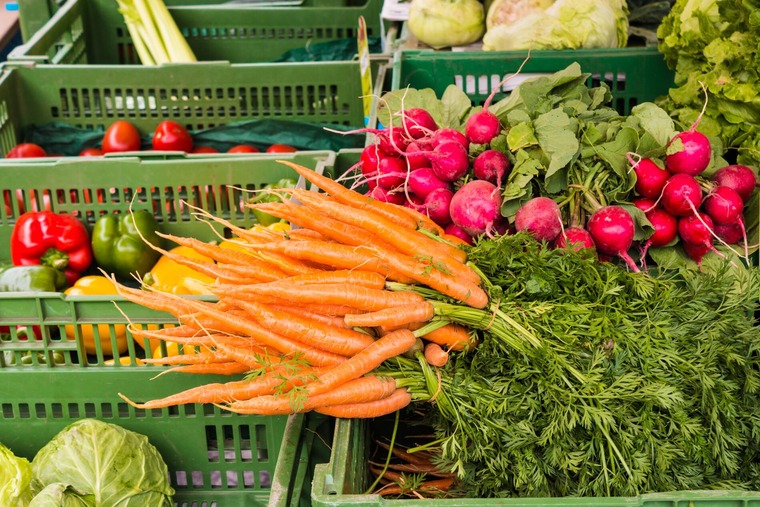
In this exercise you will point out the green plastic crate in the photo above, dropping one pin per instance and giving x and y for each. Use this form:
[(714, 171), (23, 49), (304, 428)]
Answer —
[(93, 32), (634, 75), (214, 457), (199, 96), (342, 481)]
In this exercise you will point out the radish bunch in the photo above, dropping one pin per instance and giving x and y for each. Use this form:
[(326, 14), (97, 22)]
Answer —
[(429, 169), (682, 205)]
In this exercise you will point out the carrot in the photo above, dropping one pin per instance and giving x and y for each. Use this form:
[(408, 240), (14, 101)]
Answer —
[(433, 486), (457, 288), (337, 230), (360, 390), (396, 401), (412, 326), (353, 199), (393, 317), (435, 355), (388, 346), (368, 279), (419, 458), (407, 241), (454, 239), (202, 357), (229, 391), (318, 317), (286, 264), (451, 336), (361, 298), (424, 221), (338, 340), (322, 308), (228, 368)]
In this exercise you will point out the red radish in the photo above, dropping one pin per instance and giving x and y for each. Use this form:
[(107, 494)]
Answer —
[(392, 141), (729, 233), (414, 156), (391, 172), (476, 206), (418, 123), (696, 252), (415, 202), (482, 127), (492, 166), (724, 205), (369, 160), (688, 152), (612, 229), (454, 230), (644, 204), (502, 227), (450, 161), (575, 238), (650, 178), (696, 229), (381, 194), (740, 178), (422, 181), (541, 217), (446, 135), (681, 195), (438, 204), (665, 228)]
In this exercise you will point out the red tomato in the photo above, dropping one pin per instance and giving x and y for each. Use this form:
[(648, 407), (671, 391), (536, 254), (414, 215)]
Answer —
[(26, 150), (244, 148), (171, 136), (91, 152), (204, 149), (121, 136), (281, 148)]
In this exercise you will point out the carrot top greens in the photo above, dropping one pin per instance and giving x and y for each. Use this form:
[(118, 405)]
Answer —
[(592, 380)]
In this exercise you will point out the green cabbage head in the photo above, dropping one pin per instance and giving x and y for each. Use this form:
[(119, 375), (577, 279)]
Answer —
[(566, 24), (15, 476), (444, 23), (102, 465)]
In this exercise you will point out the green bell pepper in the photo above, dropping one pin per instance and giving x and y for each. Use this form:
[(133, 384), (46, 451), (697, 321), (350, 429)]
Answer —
[(35, 278), (264, 196), (118, 247)]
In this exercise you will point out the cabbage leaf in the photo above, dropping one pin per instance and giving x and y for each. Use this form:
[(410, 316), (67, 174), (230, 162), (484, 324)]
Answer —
[(15, 474)]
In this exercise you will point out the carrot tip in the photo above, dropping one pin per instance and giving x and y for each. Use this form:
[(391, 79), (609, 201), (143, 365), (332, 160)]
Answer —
[(130, 402)]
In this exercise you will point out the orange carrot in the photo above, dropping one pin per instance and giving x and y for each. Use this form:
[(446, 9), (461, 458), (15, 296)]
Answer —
[(396, 401), (361, 298), (290, 266), (229, 368), (337, 230), (432, 487), (360, 390), (229, 392), (424, 221), (393, 317), (386, 347), (204, 356), (435, 355), (319, 317), (451, 336), (353, 199), (338, 340), (367, 279), (457, 288), (410, 242)]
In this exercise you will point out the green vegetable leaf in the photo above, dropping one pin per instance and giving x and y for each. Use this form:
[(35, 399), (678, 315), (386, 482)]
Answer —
[(456, 108), (518, 188), (655, 121), (16, 475), (614, 152), (521, 136), (642, 226), (391, 103), (557, 135)]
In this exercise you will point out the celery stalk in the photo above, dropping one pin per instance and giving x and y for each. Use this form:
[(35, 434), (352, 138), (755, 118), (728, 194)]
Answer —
[(152, 37), (176, 45), (134, 28)]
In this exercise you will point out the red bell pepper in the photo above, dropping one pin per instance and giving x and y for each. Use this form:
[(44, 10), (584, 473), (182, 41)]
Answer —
[(52, 239)]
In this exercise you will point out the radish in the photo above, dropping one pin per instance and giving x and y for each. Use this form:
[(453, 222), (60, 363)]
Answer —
[(665, 228), (369, 160), (650, 178), (492, 166), (437, 206), (612, 230), (483, 126), (541, 217), (450, 161), (446, 135), (418, 123), (381, 194), (391, 172), (575, 238), (454, 230), (476, 206), (414, 202), (695, 252), (729, 233), (739, 178), (644, 204), (502, 227), (724, 205), (696, 229), (681, 195), (392, 141), (415, 156), (422, 181), (688, 152)]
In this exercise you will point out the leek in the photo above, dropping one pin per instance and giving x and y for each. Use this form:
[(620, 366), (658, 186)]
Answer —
[(154, 33)]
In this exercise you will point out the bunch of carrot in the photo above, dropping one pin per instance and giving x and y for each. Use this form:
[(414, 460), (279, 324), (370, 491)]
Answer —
[(310, 313)]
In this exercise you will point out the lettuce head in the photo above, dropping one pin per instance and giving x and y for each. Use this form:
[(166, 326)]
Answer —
[(15, 476)]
